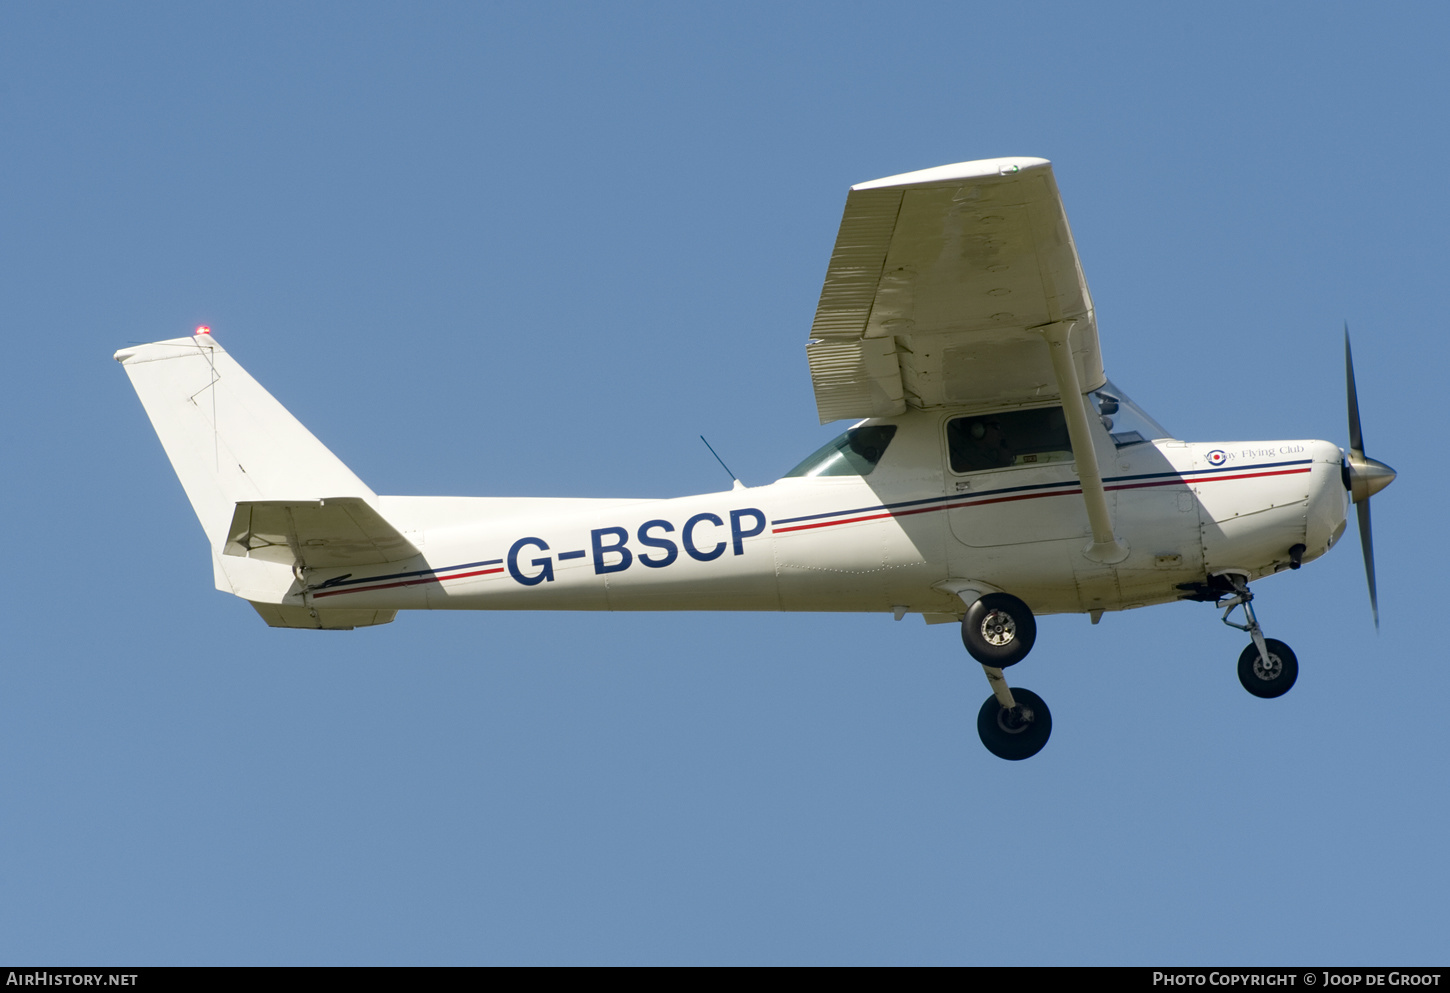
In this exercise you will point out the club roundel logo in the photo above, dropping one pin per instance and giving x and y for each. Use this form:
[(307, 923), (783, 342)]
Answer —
[(1217, 457)]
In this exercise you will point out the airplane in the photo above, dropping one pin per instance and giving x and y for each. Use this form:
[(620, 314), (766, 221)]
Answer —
[(993, 473)]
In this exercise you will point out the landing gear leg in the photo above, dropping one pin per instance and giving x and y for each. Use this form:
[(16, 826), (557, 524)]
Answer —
[(1267, 668), (1012, 724)]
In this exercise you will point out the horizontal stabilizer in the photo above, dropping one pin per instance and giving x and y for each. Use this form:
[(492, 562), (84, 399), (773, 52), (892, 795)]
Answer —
[(315, 534), (321, 620)]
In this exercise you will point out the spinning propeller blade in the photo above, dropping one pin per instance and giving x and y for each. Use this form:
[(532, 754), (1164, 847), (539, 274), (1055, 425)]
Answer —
[(1367, 477)]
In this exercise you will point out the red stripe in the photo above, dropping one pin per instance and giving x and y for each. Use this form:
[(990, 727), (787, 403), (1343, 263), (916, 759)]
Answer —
[(1208, 479), (1250, 475), (827, 524)]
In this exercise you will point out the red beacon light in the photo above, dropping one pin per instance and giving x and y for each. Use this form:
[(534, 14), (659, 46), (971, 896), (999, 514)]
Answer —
[(203, 329)]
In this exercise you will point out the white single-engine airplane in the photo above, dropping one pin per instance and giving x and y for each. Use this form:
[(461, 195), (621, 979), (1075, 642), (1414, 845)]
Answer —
[(997, 473)]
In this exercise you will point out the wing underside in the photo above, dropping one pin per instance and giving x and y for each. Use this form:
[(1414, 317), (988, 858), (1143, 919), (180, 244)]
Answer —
[(939, 289)]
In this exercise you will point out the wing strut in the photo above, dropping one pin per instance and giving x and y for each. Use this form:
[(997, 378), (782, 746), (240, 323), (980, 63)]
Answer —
[(1105, 545)]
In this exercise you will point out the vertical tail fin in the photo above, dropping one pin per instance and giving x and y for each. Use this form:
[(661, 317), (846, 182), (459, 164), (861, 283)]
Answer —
[(232, 443), (227, 438)]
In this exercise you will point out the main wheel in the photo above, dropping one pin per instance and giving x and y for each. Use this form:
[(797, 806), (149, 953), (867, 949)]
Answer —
[(999, 630), (1018, 732), (1270, 678)]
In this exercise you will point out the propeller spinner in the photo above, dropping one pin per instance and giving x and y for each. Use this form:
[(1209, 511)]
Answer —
[(1364, 477)]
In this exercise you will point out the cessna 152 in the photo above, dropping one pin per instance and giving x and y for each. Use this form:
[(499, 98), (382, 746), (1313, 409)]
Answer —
[(997, 473)]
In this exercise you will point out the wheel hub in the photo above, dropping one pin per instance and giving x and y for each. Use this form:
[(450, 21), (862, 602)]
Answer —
[(998, 628), (1014, 720), (1268, 670)]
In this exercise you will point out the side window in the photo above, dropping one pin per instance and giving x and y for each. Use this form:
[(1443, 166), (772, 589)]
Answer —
[(1014, 437), (854, 453)]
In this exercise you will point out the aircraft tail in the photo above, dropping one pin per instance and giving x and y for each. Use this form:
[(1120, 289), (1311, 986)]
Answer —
[(239, 455)]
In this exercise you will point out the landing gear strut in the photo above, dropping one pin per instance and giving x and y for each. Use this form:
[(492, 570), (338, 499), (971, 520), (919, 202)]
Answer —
[(1267, 667), (999, 630)]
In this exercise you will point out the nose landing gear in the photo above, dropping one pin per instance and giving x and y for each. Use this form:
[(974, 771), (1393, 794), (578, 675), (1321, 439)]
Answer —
[(1267, 667)]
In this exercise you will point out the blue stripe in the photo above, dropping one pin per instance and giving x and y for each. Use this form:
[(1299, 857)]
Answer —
[(918, 503), (333, 584), (1038, 486)]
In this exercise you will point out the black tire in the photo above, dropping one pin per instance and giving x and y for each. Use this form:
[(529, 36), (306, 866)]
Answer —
[(1015, 734), (999, 630), (1273, 679)]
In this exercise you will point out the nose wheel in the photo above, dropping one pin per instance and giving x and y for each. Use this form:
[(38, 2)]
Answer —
[(1271, 674)]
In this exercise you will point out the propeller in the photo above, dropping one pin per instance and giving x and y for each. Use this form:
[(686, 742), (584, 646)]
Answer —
[(1364, 477)]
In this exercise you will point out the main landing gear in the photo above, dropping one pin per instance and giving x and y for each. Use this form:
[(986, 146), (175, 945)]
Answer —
[(1267, 667), (999, 630)]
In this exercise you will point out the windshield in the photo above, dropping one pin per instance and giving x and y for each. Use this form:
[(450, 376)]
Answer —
[(1125, 420), (854, 453)]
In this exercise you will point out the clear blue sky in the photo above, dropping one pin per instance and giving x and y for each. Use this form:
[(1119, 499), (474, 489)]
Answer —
[(536, 249)]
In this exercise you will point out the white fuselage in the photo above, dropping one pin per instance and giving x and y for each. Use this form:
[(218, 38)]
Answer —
[(905, 536)]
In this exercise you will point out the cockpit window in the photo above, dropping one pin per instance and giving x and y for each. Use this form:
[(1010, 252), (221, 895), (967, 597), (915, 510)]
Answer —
[(1013, 437), (854, 453), (1125, 421)]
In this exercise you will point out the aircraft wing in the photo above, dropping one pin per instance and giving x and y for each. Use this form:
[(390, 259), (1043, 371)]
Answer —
[(935, 285)]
